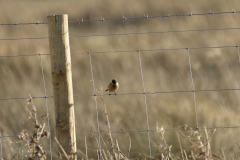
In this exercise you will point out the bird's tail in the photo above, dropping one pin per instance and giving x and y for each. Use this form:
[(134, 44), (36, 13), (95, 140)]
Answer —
[(106, 90)]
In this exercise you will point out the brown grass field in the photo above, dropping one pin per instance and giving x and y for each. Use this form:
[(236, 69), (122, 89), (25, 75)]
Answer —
[(164, 71)]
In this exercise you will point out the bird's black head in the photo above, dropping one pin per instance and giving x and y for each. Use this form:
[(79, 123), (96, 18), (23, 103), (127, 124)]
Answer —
[(114, 81)]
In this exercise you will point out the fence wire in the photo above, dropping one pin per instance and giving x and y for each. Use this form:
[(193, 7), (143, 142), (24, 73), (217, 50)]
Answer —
[(155, 49), (130, 51), (102, 19), (146, 16), (47, 107), (132, 93), (25, 98), (145, 101), (96, 104), (123, 18), (166, 92), (24, 55), (22, 23), (193, 88), (148, 130), (125, 34)]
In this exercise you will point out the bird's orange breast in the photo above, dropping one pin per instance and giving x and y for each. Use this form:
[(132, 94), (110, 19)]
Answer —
[(113, 87)]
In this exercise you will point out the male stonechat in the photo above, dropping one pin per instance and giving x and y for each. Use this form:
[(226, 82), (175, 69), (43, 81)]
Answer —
[(113, 86)]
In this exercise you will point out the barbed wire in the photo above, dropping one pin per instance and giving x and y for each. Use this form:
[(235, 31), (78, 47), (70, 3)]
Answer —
[(22, 23), (123, 18), (146, 16), (124, 34)]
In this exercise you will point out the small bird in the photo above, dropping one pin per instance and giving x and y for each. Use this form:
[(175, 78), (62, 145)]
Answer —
[(113, 86)]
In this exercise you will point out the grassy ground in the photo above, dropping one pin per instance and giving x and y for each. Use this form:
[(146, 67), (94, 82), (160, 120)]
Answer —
[(163, 71)]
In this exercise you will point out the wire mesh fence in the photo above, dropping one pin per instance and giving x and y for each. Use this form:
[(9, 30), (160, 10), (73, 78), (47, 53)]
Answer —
[(143, 92)]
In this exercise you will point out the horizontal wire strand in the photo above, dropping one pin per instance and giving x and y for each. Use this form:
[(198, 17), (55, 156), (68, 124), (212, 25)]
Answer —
[(121, 51), (154, 32), (167, 92), (157, 49), (24, 55), (125, 34), (22, 38), (131, 93), (102, 19), (22, 23), (25, 98)]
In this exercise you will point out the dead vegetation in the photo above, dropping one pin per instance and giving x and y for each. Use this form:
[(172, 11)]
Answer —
[(198, 143), (31, 138)]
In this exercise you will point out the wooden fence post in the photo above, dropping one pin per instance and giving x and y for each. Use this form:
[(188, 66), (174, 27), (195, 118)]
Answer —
[(62, 82)]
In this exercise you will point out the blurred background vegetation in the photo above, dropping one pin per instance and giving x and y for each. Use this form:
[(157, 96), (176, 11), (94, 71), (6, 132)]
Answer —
[(163, 70)]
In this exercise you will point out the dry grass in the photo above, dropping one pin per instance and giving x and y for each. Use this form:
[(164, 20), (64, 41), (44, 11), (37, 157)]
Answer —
[(163, 71), (198, 145), (30, 139)]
